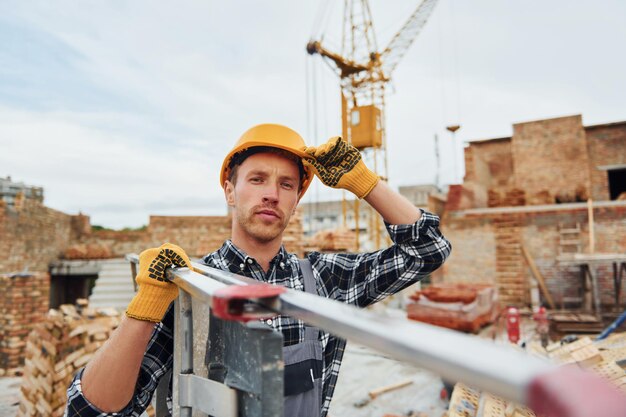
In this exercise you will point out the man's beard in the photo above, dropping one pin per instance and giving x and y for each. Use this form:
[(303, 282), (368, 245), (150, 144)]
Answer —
[(259, 230)]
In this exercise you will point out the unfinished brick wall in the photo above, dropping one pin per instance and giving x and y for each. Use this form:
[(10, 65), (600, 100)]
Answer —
[(462, 197), (473, 255), (610, 237), (198, 235), (551, 157), (607, 146), (548, 160), (476, 235), (32, 235), (490, 163), (510, 278), (23, 304), (120, 243), (488, 169), (204, 234)]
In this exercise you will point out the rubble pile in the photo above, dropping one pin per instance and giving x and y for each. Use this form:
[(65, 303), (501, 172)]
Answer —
[(55, 350), (24, 302)]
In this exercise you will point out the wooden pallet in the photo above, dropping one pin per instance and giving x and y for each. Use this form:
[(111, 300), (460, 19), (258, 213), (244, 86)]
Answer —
[(467, 402), (575, 323)]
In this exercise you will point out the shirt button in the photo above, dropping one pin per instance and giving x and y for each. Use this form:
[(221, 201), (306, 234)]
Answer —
[(250, 261), (242, 266), (269, 321)]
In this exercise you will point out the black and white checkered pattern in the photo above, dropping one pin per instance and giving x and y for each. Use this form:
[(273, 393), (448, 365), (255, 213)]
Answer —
[(358, 279)]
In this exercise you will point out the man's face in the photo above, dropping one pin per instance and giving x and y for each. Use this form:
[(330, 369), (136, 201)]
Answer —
[(264, 196)]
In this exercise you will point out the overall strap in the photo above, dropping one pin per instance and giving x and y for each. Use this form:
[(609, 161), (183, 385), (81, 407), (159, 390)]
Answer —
[(307, 274), (310, 333)]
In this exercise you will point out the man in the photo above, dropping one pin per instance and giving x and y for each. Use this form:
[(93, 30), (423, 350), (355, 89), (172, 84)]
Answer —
[(264, 177)]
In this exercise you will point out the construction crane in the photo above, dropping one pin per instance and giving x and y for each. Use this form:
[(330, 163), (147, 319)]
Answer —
[(363, 72)]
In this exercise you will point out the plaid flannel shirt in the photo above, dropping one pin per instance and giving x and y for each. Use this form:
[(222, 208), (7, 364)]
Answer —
[(358, 279)]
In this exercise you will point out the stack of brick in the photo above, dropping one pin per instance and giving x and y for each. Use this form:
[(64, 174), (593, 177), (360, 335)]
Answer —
[(510, 269), (459, 306), (468, 402), (494, 198), (23, 304), (603, 358), (293, 236), (90, 251), (339, 240), (506, 198), (55, 350)]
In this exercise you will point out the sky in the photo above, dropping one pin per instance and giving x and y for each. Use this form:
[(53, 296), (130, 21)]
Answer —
[(125, 109)]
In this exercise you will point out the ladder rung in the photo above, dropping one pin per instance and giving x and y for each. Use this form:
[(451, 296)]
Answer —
[(572, 299), (569, 242)]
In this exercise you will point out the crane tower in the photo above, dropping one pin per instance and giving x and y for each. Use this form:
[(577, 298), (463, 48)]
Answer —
[(363, 72)]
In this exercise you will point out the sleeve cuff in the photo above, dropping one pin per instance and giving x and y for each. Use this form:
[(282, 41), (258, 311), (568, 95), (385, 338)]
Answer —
[(404, 233)]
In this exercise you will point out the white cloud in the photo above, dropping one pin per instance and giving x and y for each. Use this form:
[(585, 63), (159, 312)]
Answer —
[(86, 168), (151, 95)]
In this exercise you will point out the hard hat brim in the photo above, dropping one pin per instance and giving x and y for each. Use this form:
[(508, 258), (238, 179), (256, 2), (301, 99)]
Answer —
[(225, 171)]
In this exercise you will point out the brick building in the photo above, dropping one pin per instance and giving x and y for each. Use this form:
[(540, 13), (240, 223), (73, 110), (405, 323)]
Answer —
[(33, 238), (523, 191)]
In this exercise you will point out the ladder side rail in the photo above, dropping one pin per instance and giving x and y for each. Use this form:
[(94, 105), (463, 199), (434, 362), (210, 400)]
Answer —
[(482, 364), (478, 363)]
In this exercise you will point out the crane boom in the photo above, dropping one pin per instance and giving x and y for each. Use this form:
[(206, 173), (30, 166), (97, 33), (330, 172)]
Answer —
[(402, 40), (344, 66)]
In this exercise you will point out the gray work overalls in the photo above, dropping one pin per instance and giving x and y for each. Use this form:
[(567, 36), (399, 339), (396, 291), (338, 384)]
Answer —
[(303, 364)]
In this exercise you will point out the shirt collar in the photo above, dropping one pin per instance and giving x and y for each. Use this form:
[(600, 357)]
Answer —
[(236, 256)]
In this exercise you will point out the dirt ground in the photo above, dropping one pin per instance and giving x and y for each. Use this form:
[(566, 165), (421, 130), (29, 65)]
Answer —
[(364, 369)]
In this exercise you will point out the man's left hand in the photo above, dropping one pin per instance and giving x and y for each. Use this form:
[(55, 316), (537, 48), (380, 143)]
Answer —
[(338, 164)]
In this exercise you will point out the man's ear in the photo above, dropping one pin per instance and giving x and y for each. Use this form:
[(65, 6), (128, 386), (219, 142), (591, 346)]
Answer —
[(229, 193)]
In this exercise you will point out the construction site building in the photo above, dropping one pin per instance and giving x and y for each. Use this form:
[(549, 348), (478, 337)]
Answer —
[(11, 190), (553, 187)]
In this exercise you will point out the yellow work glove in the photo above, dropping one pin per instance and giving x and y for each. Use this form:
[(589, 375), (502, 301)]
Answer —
[(339, 165), (155, 292)]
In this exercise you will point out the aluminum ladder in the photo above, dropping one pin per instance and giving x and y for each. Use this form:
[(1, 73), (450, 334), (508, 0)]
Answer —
[(245, 356)]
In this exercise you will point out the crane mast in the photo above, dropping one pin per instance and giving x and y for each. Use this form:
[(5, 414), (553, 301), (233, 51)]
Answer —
[(363, 72)]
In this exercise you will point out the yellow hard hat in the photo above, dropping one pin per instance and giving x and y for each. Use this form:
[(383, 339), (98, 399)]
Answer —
[(274, 136)]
